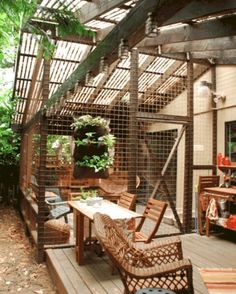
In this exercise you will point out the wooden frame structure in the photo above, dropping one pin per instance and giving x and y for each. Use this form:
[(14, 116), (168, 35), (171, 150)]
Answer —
[(133, 94)]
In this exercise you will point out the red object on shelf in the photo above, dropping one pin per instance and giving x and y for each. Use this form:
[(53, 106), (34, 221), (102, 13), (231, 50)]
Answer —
[(231, 223), (219, 159), (226, 161)]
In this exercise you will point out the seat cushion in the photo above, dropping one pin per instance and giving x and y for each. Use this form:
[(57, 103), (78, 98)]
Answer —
[(59, 211)]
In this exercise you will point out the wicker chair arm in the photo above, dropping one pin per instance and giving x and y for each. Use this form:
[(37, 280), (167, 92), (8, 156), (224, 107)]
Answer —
[(176, 276), (53, 204), (167, 250), (158, 243), (157, 270)]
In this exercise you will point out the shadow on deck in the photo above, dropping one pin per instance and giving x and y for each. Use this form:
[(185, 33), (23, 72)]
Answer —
[(96, 275)]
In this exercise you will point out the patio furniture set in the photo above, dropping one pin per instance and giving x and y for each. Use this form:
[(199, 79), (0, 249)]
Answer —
[(154, 265)]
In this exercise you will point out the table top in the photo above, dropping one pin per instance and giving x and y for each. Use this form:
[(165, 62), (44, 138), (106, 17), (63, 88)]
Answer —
[(223, 191), (107, 207)]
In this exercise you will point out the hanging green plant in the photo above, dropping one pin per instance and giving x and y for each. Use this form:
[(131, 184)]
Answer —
[(94, 146), (98, 162), (88, 120)]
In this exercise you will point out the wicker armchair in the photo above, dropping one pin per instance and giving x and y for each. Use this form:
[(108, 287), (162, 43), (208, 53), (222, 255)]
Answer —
[(158, 264)]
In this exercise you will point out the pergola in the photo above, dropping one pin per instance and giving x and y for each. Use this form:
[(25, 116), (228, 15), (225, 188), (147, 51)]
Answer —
[(152, 85)]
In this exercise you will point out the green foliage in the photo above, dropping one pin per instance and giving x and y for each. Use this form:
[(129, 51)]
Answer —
[(88, 120), (69, 24), (59, 144), (98, 162), (15, 15), (108, 140), (87, 194), (9, 141)]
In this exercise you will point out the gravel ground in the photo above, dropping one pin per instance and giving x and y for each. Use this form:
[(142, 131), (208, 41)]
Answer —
[(19, 271)]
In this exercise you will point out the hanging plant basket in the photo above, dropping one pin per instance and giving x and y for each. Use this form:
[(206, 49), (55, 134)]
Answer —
[(93, 152)]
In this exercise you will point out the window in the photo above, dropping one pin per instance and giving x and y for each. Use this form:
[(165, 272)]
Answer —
[(230, 142)]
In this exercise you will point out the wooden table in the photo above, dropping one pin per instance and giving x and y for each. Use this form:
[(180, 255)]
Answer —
[(83, 210), (228, 194), (224, 193)]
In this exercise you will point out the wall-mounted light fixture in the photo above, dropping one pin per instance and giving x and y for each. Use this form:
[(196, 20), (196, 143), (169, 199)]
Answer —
[(151, 28), (205, 90), (123, 50)]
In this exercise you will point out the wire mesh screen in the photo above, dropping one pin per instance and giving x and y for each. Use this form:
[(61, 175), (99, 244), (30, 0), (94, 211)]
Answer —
[(146, 114)]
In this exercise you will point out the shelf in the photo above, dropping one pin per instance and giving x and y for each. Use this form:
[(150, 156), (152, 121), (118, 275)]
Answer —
[(225, 168)]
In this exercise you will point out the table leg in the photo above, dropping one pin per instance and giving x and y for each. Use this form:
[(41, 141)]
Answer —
[(79, 247)]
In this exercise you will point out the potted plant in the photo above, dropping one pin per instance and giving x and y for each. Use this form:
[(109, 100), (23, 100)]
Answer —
[(94, 145)]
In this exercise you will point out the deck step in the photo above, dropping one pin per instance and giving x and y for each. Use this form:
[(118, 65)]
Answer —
[(71, 278)]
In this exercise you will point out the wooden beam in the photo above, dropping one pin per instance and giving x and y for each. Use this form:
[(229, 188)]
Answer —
[(198, 9), (165, 118), (210, 29), (131, 28), (142, 68), (225, 61), (213, 57), (224, 54), (181, 56), (94, 9), (29, 101), (88, 40), (225, 43), (101, 84), (133, 124), (188, 162), (171, 70)]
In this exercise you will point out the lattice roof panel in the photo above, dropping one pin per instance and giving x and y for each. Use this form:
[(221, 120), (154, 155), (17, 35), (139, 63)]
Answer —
[(158, 74)]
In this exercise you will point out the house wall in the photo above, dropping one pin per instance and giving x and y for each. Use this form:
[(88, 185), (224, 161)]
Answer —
[(226, 76), (225, 84)]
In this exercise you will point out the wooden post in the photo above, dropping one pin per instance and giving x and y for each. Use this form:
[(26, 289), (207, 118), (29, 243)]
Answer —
[(188, 168), (42, 166), (214, 122), (133, 132)]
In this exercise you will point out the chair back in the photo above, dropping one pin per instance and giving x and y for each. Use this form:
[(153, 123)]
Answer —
[(111, 236), (207, 181), (127, 200), (153, 211)]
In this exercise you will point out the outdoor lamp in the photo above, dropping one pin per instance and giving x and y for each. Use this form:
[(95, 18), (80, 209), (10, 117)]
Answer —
[(205, 90), (89, 78), (123, 50), (103, 66), (151, 29)]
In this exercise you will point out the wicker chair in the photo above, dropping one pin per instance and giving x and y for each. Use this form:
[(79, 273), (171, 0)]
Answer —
[(159, 264), (152, 216), (203, 201)]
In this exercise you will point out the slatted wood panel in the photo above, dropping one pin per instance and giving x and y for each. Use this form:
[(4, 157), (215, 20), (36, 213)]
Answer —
[(95, 276)]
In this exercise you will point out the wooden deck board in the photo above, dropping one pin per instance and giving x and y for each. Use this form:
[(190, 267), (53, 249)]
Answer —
[(89, 278), (95, 277), (77, 284)]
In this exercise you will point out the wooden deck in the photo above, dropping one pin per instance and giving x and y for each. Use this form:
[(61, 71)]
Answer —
[(95, 277)]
